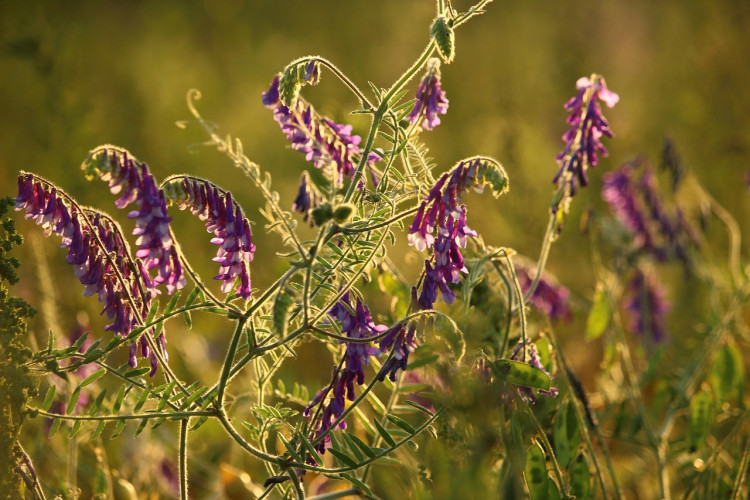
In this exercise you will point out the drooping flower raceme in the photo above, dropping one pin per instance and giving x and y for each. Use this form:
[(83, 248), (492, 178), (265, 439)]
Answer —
[(583, 140), (645, 301), (155, 246), (225, 219), (441, 212), (431, 100), (330, 146), (357, 324), (99, 256)]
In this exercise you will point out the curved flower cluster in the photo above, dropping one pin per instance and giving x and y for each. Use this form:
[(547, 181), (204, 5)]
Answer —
[(155, 246), (431, 99), (583, 139), (403, 340), (440, 211), (549, 297), (356, 323), (224, 218), (647, 306), (99, 256), (330, 146), (635, 201)]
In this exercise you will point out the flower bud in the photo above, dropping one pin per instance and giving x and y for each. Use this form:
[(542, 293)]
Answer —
[(442, 32)]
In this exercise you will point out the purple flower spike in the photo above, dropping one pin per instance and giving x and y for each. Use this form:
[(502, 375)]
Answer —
[(225, 219), (330, 146), (647, 306), (403, 341), (583, 139), (155, 246), (635, 201), (356, 323), (96, 250), (441, 212), (431, 99)]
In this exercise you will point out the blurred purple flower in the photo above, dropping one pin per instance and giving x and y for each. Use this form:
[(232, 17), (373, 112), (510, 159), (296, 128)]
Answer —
[(431, 99), (155, 246), (98, 253), (583, 139), (330, 146), (549, 297), (225, 219), (635, 201), (646, 305)]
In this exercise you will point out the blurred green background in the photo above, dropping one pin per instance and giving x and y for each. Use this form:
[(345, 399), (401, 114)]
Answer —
[(79, 74)]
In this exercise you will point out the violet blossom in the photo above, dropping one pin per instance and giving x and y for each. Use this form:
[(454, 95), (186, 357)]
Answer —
[(99, 256), (356, 323), (440, 212), (636, 203), (645, 301), (583, 139), (155, 246), (431, 100), (330, 146), (225, 219)]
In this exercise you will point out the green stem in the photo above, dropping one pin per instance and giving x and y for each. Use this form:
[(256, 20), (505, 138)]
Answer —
[(226, 422), (380, 112), (370, 460), (583, 426), (227, 366), (135, 416), (521, 304), (337, 494), (542, 262), (183, 459), (387, 222)]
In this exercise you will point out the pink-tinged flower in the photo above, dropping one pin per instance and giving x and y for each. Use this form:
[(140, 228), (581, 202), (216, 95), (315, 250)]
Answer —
[(583, 139), (330, 146), (155, 246), (441, 212), (431, 100), (99, 255), (225, 219), (645, 301), (549, 297)]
